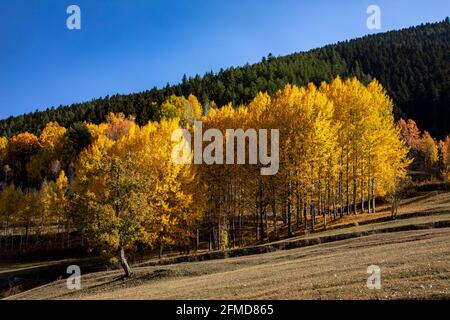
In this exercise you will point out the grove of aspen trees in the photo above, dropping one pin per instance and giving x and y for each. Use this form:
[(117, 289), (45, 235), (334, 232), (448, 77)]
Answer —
[(115, 183)]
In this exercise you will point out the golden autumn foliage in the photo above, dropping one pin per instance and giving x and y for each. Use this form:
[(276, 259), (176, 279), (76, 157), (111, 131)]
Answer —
[(339, 149), (3, 146), (444, 148), (186, 110), (51, 137), (128, 190), (45, 164), (430, 157), (429, 148)]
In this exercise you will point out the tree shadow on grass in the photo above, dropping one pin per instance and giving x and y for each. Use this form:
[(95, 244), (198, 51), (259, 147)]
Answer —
[(121, 282)]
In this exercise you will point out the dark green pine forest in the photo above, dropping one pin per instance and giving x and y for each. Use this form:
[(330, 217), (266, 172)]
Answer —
[(413, 64)]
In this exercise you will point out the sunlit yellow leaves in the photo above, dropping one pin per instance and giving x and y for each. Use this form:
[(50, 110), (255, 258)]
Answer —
[(127, 188), (51, 136)]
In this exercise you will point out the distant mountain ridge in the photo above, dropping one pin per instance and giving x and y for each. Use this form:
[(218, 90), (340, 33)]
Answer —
[(413, 64)]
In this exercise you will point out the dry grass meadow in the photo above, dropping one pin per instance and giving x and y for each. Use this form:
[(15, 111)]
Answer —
[(413, 253)]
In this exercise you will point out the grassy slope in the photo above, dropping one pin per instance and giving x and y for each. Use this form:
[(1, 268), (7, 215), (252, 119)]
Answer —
[(414, 264)]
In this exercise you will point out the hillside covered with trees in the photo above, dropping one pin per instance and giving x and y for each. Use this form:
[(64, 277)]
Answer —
[(117, 185), (412, 64)]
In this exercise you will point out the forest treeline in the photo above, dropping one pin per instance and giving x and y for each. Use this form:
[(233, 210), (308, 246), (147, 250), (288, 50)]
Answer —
[(115, 183), (412, 64)]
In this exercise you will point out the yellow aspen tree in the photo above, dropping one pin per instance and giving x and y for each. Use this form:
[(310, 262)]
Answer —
[(197, 109), (185, 110), (11, 202), (445, 155), (3, 145), (129, 191), (29, 214), (429, 149), (59, 205), (389, 160), (47, 217), (51, 140)]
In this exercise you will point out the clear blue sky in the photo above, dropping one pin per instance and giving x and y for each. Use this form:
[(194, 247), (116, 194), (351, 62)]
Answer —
[(130, 46)]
